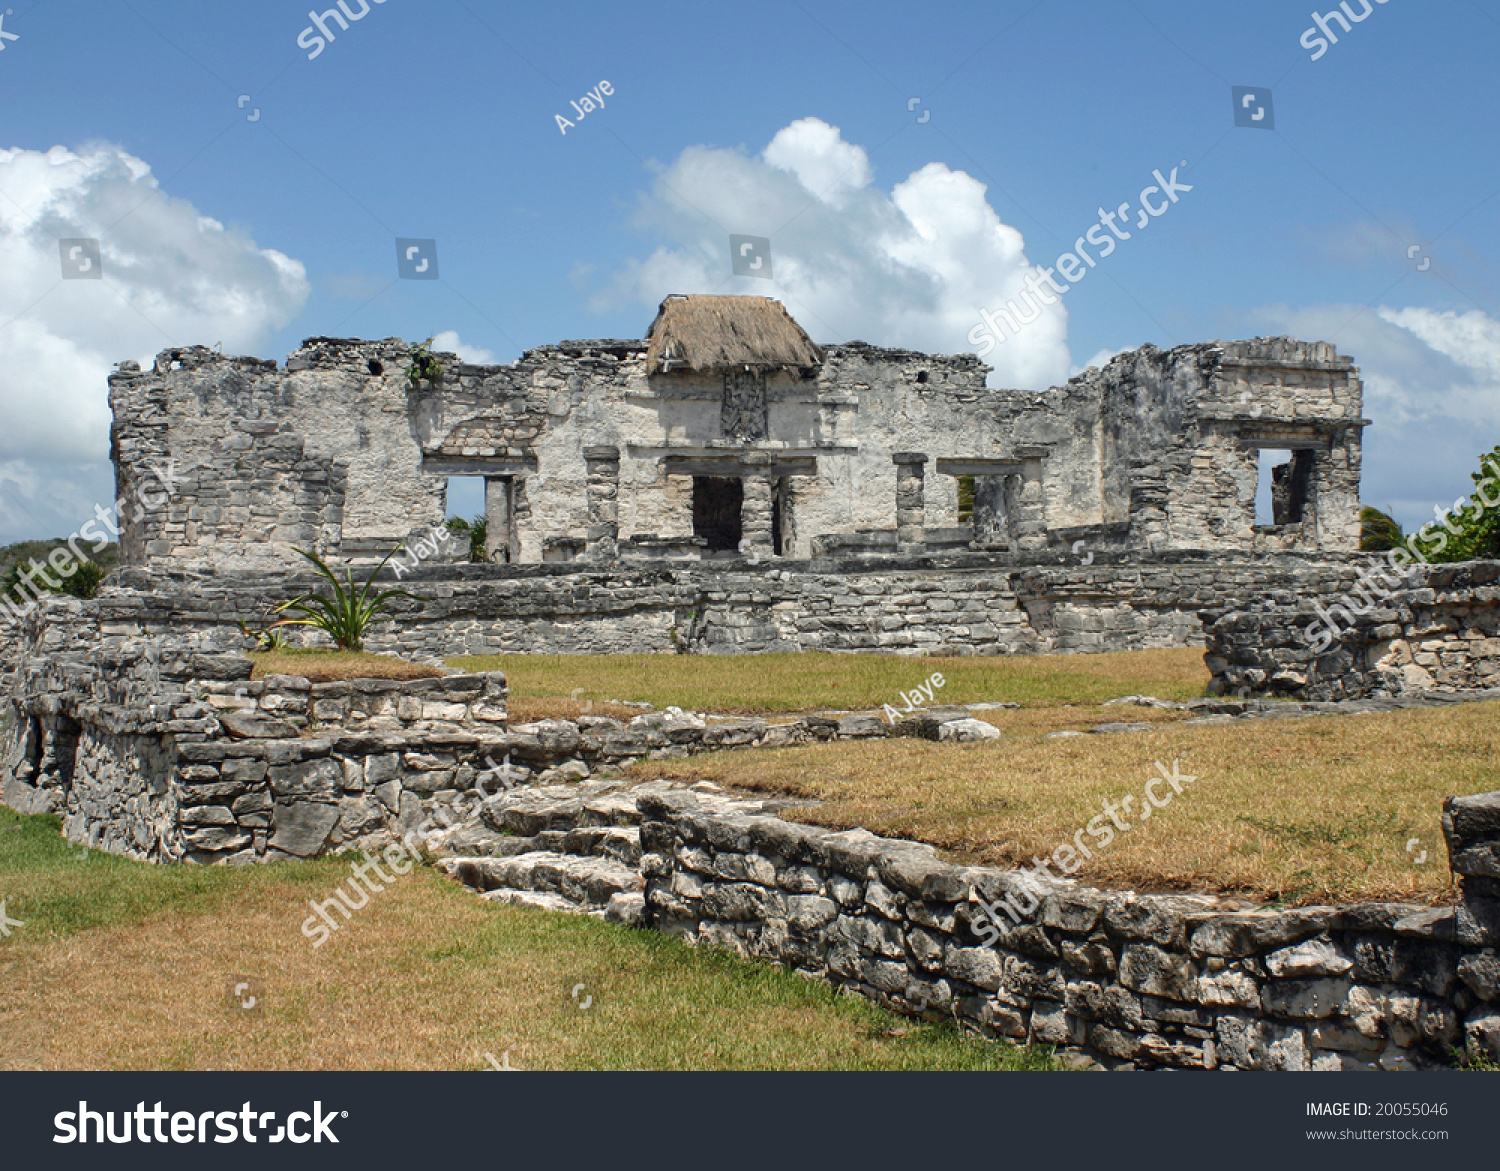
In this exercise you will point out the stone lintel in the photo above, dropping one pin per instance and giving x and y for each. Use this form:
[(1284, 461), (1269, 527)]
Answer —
[(478, 466), (737, 465), (980, 467)]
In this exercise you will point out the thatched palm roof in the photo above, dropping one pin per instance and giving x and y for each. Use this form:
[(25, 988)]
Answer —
[(704, 331)]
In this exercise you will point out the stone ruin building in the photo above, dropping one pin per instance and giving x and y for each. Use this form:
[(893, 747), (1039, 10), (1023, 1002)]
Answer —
[(727, 433), (727, 486)]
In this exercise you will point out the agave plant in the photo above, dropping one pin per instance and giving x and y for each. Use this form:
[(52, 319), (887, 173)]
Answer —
[(346, 616)]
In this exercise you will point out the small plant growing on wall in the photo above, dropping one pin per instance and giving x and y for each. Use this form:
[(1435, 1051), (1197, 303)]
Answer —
[(265, 640), (348, 615), (424, 365)]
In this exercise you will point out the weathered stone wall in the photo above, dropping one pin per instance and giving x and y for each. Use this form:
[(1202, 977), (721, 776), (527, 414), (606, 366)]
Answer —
[(1439, 630), (966, 605), (160, 747), (1181, 433), (1131, 980), (1157, 450)]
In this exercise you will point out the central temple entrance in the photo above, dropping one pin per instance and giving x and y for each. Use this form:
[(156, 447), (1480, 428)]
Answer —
[(717, 505)]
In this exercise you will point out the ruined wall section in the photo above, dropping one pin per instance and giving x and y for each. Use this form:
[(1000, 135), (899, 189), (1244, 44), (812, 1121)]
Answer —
[(1367, 632), (1304, 391), (849, 416), (1135, 981), (342, 451), (1176, 450), (269, 458), (875, 402)]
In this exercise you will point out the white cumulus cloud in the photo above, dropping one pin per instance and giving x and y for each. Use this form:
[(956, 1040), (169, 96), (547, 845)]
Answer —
[(912, 267), (171, 276), (449, 341)]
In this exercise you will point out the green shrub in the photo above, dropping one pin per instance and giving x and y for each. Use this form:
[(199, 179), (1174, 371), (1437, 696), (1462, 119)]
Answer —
[(347, 616), (84, 581), (424, 366)]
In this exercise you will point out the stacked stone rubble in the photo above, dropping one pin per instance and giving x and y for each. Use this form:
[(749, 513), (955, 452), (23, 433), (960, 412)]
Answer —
[(1434, 627)]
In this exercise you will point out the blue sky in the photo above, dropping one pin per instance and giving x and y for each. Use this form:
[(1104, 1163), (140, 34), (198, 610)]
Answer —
[(436, 119)]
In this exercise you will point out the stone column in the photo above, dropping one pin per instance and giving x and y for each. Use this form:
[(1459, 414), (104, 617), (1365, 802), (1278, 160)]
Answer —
[(757, 540), (603, 465), (497, 520), (991, 512), (1029, 524), (911, 502)]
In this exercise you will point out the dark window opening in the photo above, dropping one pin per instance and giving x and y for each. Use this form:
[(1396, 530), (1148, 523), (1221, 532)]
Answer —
[(994, 503), (921, 375), (375, 368), (1289, 489), (717, 501)]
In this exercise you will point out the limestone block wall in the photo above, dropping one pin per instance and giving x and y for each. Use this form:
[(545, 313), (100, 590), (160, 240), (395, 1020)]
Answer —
[(1181, 432), (971, 604), (1161, 443), (1440, 630), (160, 747), (1135, 981), (454, 703), (351, 404)]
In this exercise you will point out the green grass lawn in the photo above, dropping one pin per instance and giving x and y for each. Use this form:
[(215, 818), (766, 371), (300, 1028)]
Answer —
[(772, 684), (123, 965)]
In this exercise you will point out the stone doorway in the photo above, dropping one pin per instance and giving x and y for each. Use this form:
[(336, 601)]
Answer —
[(717, 505)]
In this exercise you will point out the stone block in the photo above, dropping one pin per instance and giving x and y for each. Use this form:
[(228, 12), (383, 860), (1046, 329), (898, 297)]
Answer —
[(309, 780), (302, 827), (1145, 968), (1481, 973), (1315, 957)]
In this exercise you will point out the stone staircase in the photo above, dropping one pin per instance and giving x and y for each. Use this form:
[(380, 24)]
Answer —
[(571, 847)]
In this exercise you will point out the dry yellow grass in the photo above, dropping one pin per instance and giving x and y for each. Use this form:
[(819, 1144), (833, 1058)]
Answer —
[(1298, 810), (524, 709), (328, 666)]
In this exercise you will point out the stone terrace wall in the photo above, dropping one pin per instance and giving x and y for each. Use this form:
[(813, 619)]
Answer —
[(974, 605), (117, 733), (1133, 981), (1441, 631), (161, 746)]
